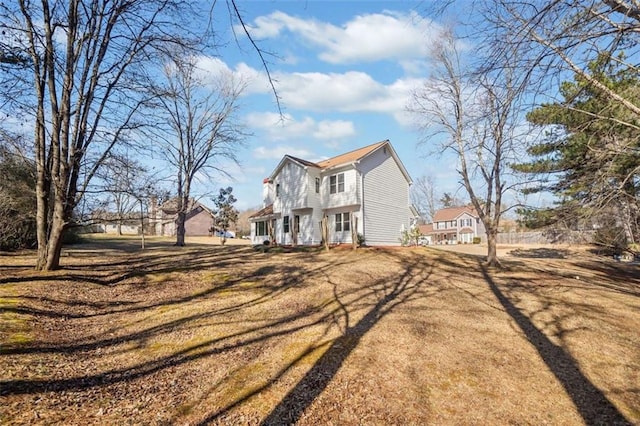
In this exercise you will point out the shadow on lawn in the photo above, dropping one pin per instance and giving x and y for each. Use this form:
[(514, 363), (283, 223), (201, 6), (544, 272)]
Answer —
[(378, 297), (389, 293), (591, 403), (371, 300), (109, 272)]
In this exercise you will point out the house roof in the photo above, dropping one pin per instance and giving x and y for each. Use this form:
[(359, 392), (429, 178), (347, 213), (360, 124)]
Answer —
[(350, 156), (342, 159), (426, 228), (452, 213), (169, 208), (267, 211), (303, 162)]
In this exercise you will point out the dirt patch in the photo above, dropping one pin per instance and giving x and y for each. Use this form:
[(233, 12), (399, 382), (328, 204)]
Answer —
[(207, 334)]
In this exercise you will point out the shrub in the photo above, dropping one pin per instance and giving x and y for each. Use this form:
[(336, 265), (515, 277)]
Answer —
[(612, 239), (476, 240)]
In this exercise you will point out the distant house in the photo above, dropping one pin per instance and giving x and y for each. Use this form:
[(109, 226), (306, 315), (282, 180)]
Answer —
[(163, 217), (365, 190), (453, 225), (118, 224), (426, 233)]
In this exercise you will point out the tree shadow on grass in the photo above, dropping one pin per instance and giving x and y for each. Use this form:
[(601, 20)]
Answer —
[(591, 403), (394, 292), (540, 253)]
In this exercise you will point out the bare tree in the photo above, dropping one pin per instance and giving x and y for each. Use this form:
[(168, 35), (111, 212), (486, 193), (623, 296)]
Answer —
[(562, 35), (76, 69), (198, 127), (423, 197), (126, 184), (85, 59), (598, 43), (478, 116)]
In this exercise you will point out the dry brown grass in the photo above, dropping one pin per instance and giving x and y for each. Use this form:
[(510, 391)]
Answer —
[(227, 335)]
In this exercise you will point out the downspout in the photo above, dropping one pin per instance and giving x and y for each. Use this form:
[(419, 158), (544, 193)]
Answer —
[(364, 234)]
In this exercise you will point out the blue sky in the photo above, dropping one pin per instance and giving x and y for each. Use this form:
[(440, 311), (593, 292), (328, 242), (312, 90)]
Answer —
[(344, 71)]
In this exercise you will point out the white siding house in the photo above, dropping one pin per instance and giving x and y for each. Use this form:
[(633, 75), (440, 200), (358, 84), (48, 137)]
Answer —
[(367, 188)]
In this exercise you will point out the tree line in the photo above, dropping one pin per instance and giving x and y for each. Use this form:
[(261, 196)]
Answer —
[(562, 70), (98, 80)]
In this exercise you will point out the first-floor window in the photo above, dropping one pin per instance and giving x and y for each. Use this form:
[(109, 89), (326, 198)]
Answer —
[(342, 222), (261, 229), (285, 224)]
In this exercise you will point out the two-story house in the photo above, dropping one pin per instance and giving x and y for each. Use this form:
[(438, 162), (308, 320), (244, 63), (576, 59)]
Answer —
[(454, 225), (366, 190), (163, 218)]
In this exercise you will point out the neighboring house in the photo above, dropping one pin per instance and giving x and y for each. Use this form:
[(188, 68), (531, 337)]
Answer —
[(126, 228), (109, 222), (367, 188), (198, 221), (454, 225), (426, 231)]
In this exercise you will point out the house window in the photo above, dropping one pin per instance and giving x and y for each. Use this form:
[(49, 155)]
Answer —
[(336, 183), (285, 224), (277, 190), (342, 222), (261, 229), (317, 185), (296, 224)]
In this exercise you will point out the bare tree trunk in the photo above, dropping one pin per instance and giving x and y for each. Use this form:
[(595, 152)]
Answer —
[(180, 231), (492, 243), (325, 232), (294, 233), (271, 232), (42, 213), (354, 230)]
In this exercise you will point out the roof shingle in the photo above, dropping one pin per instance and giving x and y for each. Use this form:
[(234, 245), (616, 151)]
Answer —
[(452, 213), (350, 156)]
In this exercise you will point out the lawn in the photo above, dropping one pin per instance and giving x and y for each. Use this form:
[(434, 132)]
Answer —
[(210, 334)]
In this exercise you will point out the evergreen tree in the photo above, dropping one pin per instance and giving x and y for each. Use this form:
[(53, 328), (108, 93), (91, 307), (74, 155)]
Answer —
[(590, 158), (225, 213)]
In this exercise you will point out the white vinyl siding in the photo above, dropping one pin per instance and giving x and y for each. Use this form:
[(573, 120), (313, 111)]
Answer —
[(350, 194), (385, 195)]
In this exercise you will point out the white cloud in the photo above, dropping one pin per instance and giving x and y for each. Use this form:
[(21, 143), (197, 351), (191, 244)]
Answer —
[(365, 38), (334, 129), (287, 127), (351, 91), (277, 152), (211, 68)]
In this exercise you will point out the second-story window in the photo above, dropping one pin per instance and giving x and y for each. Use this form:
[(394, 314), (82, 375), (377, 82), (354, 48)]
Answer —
[(277, 190), (336, 183), (317, 185)]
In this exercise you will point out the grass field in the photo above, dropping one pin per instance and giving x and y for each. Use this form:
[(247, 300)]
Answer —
[(211, 334)]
